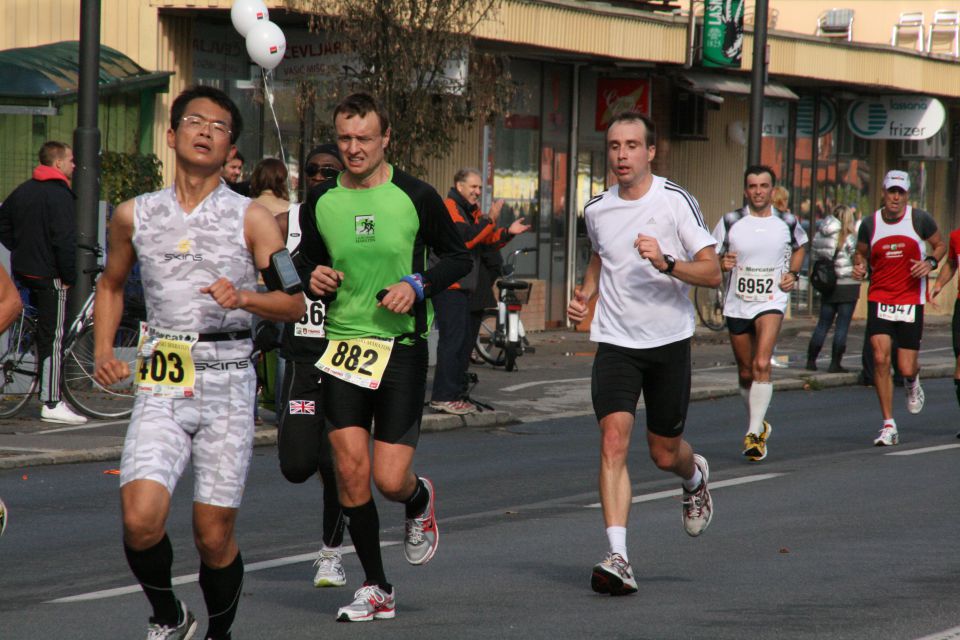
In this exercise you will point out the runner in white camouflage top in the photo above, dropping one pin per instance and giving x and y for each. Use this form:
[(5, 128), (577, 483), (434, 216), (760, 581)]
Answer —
[(199, 245)]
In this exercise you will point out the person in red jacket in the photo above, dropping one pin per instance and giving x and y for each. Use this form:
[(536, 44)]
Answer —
[(38, 224), (452, 307)]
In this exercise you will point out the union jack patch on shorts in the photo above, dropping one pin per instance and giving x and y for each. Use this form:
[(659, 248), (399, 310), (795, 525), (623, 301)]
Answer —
[(305, 407)]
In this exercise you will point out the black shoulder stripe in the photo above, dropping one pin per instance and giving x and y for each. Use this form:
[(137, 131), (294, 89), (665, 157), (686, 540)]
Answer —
[(594, 199), (691, 201)]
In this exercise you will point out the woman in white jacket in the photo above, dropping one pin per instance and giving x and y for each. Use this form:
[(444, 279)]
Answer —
[(836, 239)]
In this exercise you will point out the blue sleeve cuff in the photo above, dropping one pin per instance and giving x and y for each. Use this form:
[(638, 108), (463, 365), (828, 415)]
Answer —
[(415, 280)]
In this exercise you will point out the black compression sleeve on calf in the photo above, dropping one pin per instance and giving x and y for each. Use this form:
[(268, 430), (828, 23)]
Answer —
[(418, 500), (221, 592), (956, 390), (152, 569), (333, 522), (364, 525)]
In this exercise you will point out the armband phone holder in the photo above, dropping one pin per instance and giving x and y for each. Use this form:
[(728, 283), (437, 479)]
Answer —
[(281, 274)]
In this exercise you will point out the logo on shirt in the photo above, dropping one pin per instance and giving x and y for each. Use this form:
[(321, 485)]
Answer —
[(183, 253), (894, 249), (365, 227)]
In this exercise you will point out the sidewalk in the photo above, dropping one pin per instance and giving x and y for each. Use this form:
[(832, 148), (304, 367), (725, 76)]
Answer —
[(552, 382)]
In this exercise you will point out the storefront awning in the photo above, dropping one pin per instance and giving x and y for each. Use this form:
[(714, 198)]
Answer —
[(715, 83), (39, 79)]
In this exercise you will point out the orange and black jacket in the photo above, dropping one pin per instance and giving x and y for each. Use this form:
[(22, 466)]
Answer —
[(477, 231)]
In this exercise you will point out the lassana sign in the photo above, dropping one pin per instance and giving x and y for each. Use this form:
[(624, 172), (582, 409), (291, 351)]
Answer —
[(896, 117), (723, 33)]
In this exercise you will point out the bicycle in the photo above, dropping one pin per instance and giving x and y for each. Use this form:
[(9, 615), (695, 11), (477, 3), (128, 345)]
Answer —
[(19, 362), (709, 303), (502, 338)]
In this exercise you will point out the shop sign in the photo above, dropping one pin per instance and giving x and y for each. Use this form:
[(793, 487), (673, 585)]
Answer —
[(776, 119), (828, 116), (616, 95), (314, 56), (219, 52), (896, 117), (723, 33)]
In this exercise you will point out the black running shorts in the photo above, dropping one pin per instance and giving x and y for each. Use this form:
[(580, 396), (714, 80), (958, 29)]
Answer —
[(302, 443), (955, 325), (906, 335), (396, 408), (739, 326), (662, 374)]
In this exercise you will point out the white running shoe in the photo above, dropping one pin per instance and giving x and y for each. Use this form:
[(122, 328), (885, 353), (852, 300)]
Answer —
[(330, 571), (4, 515), (614, 576), (183, 631), (369, 602), (61, 413), (915, 397), (698, 505), (887, 438), (421, 533)]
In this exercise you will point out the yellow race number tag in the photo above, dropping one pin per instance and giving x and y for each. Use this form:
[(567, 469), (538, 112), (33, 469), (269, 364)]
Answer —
[(165, 366), (361, 361)]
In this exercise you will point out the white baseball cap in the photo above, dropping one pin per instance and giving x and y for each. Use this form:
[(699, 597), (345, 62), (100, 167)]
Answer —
[(896, 180)]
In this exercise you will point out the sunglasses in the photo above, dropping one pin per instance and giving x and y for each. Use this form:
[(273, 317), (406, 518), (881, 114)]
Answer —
[(324, 170)]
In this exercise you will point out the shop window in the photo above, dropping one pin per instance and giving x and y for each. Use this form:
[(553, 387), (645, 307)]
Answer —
[(689, 116), (936, 147)]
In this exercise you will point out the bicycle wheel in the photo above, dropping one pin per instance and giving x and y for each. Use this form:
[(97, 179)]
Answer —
[(85, 393), (18, 366), (510, 356), (487, 340), (709, 303)]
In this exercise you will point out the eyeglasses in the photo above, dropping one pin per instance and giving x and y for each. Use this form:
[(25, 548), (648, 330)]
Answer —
[(325, 170), (197, 123)]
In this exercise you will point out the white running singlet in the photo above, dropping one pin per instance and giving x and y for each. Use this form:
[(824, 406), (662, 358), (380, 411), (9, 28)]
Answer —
[(763, 246), (639, 307)]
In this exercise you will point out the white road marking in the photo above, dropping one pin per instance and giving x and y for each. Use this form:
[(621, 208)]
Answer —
[(732, 482), (83, 427), (948, 634), (527, 385), (193, 577), (913, 452)]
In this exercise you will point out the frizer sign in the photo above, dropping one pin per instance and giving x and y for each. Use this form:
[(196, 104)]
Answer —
[(896, 117)]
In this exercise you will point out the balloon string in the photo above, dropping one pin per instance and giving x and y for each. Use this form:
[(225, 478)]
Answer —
[(268, 90)]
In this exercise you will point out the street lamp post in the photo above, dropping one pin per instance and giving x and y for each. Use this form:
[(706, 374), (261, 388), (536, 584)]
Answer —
[(757, 81)]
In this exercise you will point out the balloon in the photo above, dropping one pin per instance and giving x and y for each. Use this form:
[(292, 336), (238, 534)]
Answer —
[(245, 14), (266, 44)]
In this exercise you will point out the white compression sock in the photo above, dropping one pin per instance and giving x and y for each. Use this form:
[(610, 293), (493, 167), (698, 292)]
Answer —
[(617, 536), (760, 395)]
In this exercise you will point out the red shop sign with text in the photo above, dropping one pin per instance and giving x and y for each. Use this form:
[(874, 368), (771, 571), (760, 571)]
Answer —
[(616, 95)]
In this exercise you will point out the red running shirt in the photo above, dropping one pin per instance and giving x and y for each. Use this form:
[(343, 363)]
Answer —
[(893, 245)]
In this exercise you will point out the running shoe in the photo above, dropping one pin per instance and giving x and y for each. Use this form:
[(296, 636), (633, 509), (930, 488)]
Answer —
[(755, 446), (698, 505), (4, 515), (60, 413), (183, 631), (614, 576), (422, 536), (454, 407), (329, 564), (915, 397), (887, 438), (369, 602)]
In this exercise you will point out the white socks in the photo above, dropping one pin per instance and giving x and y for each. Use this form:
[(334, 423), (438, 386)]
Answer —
[(760, 395), (618, 540), (692, 483)]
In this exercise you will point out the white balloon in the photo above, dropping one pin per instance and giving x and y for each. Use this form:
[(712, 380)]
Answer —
[(245, 14), (266, 44)]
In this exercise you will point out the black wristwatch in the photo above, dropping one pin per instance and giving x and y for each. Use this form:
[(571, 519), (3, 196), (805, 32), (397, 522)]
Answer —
[(795, 274), (671, 263), (933, 261)]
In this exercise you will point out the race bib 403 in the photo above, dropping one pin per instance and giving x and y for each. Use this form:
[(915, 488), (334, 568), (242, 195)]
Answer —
[(361, 361), (165, 366)]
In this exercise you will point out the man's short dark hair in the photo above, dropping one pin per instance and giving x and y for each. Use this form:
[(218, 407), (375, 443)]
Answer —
[(239, 156), (757, 169), (51, 151), (213, 94), (466, 172), (635, 116), (360, 104)]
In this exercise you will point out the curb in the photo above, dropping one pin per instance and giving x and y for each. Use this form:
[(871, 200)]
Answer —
[(263, 436)]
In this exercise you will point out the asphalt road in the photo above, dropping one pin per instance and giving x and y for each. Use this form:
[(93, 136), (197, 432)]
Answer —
[(828, 538)]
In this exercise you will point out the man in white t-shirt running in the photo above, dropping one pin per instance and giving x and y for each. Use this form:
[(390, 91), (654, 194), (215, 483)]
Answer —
[(649, 243), (763, 249)]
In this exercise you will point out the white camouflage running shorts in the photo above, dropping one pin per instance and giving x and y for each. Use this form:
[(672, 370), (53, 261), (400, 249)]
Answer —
[(215, 429)]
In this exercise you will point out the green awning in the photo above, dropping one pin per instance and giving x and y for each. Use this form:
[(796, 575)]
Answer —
[(49, 75)]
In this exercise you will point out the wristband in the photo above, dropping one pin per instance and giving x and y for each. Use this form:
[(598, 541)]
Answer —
[(415, 280)]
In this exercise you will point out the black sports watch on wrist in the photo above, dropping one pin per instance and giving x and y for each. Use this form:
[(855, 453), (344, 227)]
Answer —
[(795, 274), (933, 261), (671, 263)]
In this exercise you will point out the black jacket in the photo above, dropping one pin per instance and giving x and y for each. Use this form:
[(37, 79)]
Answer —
[(38, 225)]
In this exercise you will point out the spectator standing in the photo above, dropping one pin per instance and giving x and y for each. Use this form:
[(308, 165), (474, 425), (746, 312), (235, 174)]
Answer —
[(38, 224), (836, 240), (232, 174), (452, 306)]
